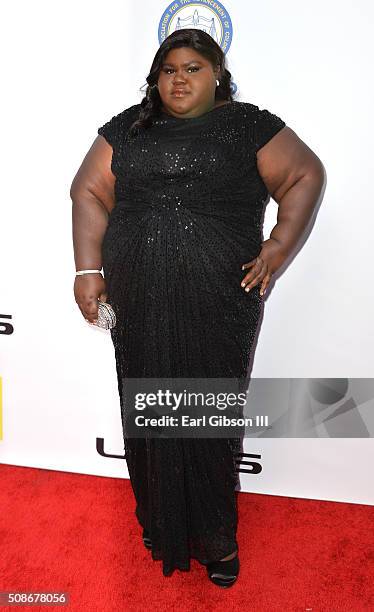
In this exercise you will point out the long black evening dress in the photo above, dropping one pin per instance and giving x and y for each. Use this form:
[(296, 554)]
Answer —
[(188, 213)]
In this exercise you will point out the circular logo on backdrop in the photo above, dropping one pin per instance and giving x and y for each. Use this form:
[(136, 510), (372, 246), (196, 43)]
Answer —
[(212, 19)]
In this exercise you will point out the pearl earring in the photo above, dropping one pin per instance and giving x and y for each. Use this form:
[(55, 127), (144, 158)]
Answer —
[(217, 82)]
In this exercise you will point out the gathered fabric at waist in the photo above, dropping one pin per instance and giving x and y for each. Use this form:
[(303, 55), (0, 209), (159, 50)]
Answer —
[(232, 228), (218, 206)]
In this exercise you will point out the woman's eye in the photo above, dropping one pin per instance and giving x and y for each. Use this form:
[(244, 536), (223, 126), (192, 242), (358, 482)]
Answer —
[(168, 70)]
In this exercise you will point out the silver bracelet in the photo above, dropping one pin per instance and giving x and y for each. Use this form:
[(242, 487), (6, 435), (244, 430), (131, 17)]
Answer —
[(79, 272)]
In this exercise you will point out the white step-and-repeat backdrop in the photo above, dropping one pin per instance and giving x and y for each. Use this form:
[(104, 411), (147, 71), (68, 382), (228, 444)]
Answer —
[(69, 68)]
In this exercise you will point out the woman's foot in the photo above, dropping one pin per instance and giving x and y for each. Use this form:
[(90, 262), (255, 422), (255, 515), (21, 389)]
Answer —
[(224, 573), (146, 539)]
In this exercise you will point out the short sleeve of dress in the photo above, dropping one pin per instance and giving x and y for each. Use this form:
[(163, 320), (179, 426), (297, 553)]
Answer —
[(109, 130), (113, 129), (266, 125)]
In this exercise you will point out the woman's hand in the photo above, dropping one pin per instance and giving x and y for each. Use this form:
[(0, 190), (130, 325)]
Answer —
[(88, 288), (263, 266)]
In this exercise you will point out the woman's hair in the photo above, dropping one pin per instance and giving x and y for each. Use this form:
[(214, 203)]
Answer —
[(204, 44)]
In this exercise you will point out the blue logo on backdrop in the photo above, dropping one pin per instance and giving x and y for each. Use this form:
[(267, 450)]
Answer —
[(211, 17)]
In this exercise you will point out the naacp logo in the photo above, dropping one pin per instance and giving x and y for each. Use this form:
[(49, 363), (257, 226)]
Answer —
[(211, 17)]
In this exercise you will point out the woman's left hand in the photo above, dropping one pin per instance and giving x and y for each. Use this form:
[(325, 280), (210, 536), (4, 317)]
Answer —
[(263, 266)]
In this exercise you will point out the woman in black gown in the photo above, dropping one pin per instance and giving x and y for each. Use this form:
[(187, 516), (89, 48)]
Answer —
[(169, 201)]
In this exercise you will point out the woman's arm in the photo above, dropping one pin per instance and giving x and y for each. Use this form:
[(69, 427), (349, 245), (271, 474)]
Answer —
[(92, 194), (294, 176)]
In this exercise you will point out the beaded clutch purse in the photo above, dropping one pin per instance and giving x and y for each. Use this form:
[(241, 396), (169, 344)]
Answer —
[(106, 317)]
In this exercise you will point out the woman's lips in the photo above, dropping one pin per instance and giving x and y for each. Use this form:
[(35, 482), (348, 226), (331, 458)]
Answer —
[(179, 93)]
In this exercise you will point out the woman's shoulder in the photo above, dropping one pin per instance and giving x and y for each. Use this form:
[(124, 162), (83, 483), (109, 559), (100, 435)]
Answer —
[(263, 123), (253, 111), (124, 115), (115, 127), (130, 111)]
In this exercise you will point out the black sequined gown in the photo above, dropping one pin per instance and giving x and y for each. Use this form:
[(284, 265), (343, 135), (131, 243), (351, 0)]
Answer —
[(188, 214)]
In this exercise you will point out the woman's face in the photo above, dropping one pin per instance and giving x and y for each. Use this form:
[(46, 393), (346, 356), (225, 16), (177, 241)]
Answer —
[(187, 83)]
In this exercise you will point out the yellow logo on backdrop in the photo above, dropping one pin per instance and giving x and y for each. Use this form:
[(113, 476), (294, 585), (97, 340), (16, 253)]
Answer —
[(1, 408)]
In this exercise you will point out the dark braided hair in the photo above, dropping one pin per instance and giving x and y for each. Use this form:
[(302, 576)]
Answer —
[(204, 44)]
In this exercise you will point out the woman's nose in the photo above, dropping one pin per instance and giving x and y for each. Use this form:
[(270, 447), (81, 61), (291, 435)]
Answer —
[(178, 76)]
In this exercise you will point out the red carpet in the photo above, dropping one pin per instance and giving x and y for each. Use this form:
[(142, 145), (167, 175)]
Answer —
[(78, 533)]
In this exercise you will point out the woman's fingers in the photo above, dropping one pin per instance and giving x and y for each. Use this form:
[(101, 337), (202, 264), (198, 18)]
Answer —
[(258, 273), (250, 263), (270, 258), (87, 290), (265, 283), (89, 310), (255, 281), (256, 265)]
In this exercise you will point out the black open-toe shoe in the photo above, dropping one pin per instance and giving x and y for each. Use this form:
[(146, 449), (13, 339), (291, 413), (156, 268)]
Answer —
[(224, 573), (146, 539)]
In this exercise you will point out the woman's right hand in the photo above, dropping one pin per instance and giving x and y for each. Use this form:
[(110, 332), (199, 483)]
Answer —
[(88, 289)]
